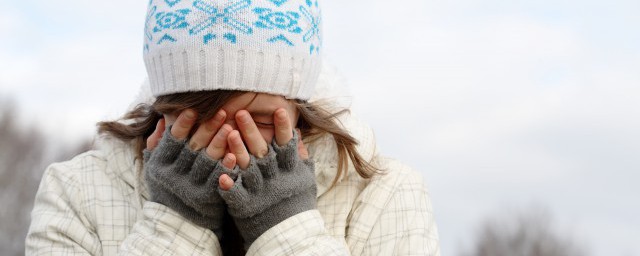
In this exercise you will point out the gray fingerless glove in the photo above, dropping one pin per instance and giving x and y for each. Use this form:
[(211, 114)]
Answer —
[(185, 181), (272, 189)]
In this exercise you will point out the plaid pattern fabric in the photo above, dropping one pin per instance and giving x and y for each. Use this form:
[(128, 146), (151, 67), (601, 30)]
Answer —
[(95, 204)]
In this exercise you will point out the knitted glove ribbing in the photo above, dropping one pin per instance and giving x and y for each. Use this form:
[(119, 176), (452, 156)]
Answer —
[(185, 181), (270, 190)]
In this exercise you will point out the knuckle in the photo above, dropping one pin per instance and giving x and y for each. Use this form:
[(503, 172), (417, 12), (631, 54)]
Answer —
[(184, 124), (284, 130), (220, 136), (218, 143), (209, 126), (237, 140), (240, 151), (212, 153)]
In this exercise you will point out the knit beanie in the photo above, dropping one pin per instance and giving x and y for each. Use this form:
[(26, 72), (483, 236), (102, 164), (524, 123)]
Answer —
[(269, 46)]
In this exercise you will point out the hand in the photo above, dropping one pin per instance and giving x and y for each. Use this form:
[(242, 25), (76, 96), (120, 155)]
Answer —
[(212, 133), (182, 174), (255, 142), (268, 189)]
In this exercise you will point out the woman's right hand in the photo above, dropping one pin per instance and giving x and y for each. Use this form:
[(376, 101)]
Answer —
[(183, 174), (212, 134)]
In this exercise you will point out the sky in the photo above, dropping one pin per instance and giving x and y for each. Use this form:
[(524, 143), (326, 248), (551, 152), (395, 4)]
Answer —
[(499, 104)]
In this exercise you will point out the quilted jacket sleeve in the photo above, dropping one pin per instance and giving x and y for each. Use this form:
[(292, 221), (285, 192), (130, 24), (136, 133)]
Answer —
[(406, 224), (301, 234), (56, 225), (61, 226), (393, 216), (163, 231)]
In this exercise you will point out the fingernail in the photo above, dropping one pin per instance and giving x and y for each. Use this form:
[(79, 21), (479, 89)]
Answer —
[(227, 182), (281, 114), (190, 114), (245, 117), (220, 115), (159, 124)]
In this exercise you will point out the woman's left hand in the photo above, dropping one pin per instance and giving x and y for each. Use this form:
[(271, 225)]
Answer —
[(249, 134), (271, 187)]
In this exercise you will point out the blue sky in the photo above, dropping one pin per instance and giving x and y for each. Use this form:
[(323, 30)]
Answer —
[(500, 104)]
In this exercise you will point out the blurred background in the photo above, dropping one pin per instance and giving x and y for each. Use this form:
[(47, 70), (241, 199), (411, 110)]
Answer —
[(523, 116)]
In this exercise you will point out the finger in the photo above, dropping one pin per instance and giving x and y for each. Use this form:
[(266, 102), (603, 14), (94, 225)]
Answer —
[(206, 131), (302, 149), (236, 146), (229, 161), (283, 127), (225, 182), (218, 144), (154, 138), (184, 123), (250, 134)]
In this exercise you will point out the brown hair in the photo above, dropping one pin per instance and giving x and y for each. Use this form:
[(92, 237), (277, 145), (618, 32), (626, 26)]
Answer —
[(314, 122)]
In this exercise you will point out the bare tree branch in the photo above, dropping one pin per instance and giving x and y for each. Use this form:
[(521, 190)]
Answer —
[(22, 162), (527, 233)]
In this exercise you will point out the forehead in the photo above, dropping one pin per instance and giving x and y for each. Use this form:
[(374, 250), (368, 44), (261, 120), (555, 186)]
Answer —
[(257, 103)]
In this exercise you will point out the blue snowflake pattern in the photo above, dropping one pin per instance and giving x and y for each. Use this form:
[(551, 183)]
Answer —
[(314, 22), (150, 14), (314, 29), (278, 2), (280, 38), (312, 3), (224, 20), (226, 15), (208, 37), (166, 37), (147, 30), (231, 37), (171, 20), (282, 20), (171, 3)]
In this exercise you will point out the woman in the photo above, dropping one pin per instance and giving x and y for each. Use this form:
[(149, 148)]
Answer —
[(235, 152)]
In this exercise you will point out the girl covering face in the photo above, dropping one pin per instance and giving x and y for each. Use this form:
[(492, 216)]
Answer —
[(234, 151)]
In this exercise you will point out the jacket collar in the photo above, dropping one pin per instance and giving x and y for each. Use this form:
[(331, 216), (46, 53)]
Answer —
[(122, 161), (325, 154), (332, 93)]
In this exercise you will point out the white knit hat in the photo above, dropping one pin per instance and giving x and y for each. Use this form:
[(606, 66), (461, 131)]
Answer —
[(270, 46)]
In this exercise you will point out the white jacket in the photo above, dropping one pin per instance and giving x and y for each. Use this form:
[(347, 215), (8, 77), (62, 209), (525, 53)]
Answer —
[(96, 204)]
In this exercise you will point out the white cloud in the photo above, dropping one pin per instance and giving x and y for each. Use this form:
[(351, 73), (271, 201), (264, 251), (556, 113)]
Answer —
[(80, 82), (508, 109), (9, 20), (67, 83), (123, 15)]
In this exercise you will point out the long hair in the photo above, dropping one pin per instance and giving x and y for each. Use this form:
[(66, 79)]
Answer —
[(314, 122)]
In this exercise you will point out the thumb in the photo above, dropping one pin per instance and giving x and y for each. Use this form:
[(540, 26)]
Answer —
[(225, 182), (302, 149), (154, 138)]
